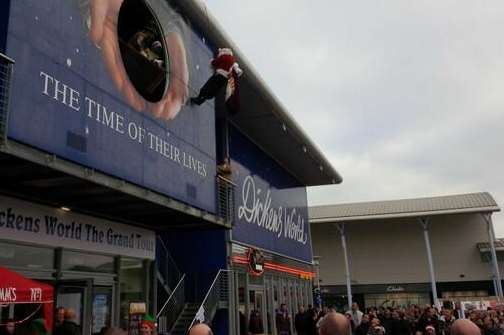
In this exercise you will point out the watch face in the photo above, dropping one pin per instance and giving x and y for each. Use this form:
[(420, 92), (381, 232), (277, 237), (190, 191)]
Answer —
[(143, 49)]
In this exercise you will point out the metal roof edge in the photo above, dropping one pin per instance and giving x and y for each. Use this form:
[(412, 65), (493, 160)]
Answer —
[(491, 209), (198, 8), (76, 170)]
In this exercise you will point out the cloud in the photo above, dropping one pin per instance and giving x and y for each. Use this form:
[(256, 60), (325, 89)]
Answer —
[(404, 98)]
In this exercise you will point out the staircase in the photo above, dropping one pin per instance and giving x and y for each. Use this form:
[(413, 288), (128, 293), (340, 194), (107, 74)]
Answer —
[(168, 273), (177, 315), (216, 298), (171, 289), (184, 320)]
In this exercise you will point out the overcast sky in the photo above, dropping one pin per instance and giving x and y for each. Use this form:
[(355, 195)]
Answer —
[(405, 98)]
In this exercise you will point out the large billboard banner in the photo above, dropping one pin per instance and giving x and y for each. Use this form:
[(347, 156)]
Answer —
[(270, 205), (106, 84)]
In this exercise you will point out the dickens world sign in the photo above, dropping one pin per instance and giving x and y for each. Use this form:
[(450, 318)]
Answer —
[(26, 222)]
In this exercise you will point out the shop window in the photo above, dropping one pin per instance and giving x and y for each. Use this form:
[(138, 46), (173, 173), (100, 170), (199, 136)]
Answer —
[(132, 279), (143, 49), (77, 261), (241, 288), (464, 295), (269, 309), (396, 300), (24, 256), (4, 312)]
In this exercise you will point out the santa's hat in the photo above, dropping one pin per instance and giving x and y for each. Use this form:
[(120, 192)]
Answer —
[(149, 321), (224, 51), (429, 327)]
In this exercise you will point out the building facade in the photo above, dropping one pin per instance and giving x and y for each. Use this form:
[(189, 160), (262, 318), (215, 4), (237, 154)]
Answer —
[(388, 256), (114, 188)]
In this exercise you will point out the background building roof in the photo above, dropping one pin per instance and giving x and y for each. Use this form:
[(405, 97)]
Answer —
[(452, 204), (485, 246)]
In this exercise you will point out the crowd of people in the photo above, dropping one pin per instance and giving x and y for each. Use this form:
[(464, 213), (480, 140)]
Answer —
[(414, 320), (65, 323), (10, 329)]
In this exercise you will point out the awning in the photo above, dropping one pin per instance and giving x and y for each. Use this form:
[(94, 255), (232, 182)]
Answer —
[(16, 289)]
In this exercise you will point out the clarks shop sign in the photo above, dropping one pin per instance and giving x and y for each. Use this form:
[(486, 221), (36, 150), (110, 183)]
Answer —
[(26, 222)]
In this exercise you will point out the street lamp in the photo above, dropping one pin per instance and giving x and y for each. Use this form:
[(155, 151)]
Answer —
[(316, 263)]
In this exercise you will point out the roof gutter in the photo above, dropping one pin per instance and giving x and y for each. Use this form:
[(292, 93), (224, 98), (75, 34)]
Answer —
[(406, 215)]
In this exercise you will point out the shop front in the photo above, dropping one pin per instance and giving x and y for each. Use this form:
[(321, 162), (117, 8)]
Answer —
[(270, 244), (95, 266), (264, 281), (408, 294)]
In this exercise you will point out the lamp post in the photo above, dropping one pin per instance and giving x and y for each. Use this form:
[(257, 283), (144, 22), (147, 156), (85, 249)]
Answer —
[(316, 262)]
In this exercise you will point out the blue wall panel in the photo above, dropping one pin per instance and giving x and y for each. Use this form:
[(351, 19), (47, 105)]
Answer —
[(271, 206), (50, 41)]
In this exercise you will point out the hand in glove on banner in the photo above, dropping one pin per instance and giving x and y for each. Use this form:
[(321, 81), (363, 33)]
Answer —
[(103, 32)]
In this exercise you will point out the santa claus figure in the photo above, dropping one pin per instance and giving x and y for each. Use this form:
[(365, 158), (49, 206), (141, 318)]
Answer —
[(226, 73)]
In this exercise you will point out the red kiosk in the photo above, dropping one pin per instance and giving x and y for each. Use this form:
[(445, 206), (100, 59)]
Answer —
[(16, 289)]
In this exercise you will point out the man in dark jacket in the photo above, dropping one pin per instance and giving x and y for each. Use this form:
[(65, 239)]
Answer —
[(301, 321), (363, 328), (429, 318), (256, 323), (399, 325), (283, 320), (386, 320), (312, 316), (69, 326)]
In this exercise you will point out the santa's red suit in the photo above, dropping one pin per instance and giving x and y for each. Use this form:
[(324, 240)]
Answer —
[(225, 62), (226, 72)]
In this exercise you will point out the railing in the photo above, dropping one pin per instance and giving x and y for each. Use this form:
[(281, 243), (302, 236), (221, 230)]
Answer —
[(172, 308), (6, 66), (218, 292), (167, 267), (226, 199)]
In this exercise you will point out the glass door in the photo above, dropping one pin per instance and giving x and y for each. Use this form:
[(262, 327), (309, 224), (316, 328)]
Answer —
[(257, 319), (76, 295), (260, 305)]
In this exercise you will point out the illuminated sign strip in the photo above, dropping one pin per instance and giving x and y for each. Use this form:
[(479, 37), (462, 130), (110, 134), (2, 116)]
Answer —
[(276, 267)]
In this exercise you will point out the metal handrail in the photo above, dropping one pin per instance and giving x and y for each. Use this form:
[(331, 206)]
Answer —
[(170, 297), (171, 266), (226, 198), (229, 181), (213, 290), (172, 308), (169, 255), (7, 58)]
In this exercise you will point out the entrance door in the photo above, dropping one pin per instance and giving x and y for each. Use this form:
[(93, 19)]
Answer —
[(77, 296), (258, 304), (261, 306)]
